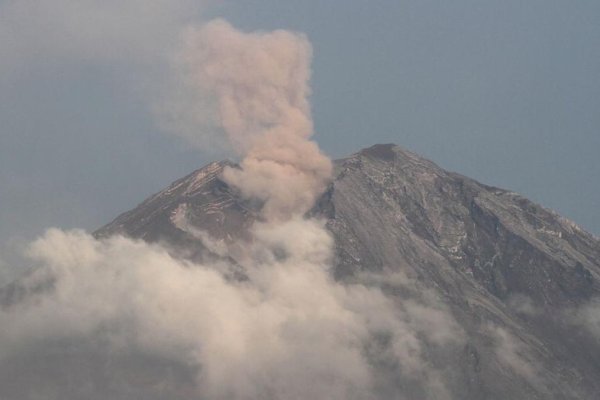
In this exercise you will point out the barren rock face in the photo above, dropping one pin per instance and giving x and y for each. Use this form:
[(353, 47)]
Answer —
[(404, 210), (391, 209), (497, 287)]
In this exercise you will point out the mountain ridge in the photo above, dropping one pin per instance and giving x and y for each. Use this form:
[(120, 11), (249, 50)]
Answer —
[(549, 226), (513, 274)]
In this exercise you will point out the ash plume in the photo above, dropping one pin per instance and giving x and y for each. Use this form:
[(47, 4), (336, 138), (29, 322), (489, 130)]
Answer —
[(287, 331), (259, 83)]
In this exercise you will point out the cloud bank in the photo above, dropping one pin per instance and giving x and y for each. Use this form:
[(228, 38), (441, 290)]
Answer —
[(288, 331)]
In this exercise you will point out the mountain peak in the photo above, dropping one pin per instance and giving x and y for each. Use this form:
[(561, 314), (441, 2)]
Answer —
[(493, 257), (385, 152)]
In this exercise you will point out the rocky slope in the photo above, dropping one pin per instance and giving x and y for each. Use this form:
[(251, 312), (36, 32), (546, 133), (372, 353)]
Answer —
[(514, 275), (500, 292)]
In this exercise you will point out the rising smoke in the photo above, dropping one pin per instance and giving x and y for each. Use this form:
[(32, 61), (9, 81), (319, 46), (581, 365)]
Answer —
[(259, 84), (286, 331)]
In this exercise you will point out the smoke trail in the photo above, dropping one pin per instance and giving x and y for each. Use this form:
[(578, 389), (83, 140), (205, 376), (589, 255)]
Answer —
[(260, 85), (286, 331)]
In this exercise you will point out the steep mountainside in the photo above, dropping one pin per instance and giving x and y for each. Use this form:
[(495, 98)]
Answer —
[(513, 275)]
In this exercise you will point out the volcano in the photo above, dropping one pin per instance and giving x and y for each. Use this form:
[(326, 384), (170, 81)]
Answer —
[(492, 256), (519, 281)]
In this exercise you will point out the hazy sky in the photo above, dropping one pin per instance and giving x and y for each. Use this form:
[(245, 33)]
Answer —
[(506, 92)]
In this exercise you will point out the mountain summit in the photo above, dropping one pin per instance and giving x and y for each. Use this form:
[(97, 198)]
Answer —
[(404, 281), (518, 278)]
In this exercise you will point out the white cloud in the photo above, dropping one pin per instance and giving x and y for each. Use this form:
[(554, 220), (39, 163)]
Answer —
[(289, 331), (587, 316), (513, 353)]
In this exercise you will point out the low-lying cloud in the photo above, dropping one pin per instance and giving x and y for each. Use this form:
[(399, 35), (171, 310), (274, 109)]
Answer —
[(288, 331)]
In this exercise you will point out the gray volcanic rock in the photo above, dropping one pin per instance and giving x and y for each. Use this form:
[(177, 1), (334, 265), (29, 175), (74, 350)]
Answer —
[(393, 208), (213, 206), (503, 265), (511, 273), (200, 199)]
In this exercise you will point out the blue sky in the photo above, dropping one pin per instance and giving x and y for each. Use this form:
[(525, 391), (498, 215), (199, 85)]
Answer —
[(506, 92)]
